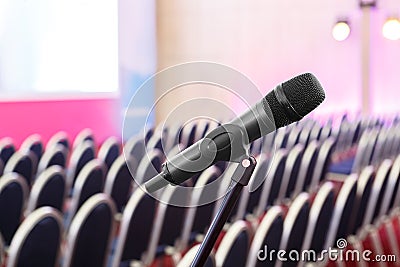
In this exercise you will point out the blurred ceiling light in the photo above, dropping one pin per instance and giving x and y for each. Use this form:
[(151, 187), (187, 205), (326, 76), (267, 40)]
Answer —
[(391, 29), (341, 30)]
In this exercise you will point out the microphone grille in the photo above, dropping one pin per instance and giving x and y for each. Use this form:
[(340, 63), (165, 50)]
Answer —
[(303, 92)]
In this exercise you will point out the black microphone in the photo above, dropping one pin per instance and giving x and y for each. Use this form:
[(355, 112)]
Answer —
[(287, 103)]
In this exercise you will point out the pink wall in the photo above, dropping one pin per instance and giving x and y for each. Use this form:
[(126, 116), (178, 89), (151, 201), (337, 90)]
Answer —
[(20, 119)]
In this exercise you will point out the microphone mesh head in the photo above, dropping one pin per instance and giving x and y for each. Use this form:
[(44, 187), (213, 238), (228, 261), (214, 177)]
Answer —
[(304, 93)]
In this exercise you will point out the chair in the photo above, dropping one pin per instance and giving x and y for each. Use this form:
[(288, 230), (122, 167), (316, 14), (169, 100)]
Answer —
[(315, 132), (293, 137), (48, 190), (149, 166), (319, 218), (90, 234), (377, 155), (280, 138), (342, 211), (1, 167), (307, 166), (135, 230), (55, 155), (323, 161), (135, 146), (392, 190), (164, 236), (119, 181), (7, 149), (187, 134), (60, 138), (157, 140), (188, 258), (268, 235), (304, 136), (292, 168), (234, 246), (90, 181), (273, 181), (294, 227), (22, 164), (268, 144), (79, 157), (13, 192), (37, 241), (82, 136), (109, 151), (326, 132), (359, 159), (201, 206), (33, 143), (377, 192), (364, 187)]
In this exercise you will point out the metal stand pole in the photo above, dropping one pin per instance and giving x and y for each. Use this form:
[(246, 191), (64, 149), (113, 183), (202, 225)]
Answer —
[(246, 167)]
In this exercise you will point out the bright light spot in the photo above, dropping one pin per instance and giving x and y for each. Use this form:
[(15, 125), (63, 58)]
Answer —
[(341, 31), (391, 29)]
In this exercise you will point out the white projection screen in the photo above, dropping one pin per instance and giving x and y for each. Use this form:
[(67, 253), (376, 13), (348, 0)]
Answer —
[(58, 47)]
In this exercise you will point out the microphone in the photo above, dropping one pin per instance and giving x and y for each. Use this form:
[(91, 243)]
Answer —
[(287, 103)]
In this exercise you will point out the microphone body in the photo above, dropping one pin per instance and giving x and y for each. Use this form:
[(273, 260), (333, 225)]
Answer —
[(230, 142)]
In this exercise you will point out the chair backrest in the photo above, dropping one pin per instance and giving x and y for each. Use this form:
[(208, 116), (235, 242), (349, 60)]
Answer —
[(280, 138), (364, 186), (234, 246), (293, 137), (149, 165), (134, 236), (119, 180), (391, 188), (294, 226), (268, 235), (381, 138), (109, 151), (81, 155), (273, 181), (256, 184), (55, 155), (22, 164), (188, 258), (7, 149), (371, 146), (304, 136), (292, 168), (315, 132), (37, 241), (359, 160), (90, 181), (324, 159), (188, 133), (307, 166), (268, 144), (60, 138), (90, 234), (82, 136), (135, 146), (377, 192), (33, 143), (13, 192), (326, 132), (199, 214), (395, 199), (319, 218), (49, 189), (342, 211)]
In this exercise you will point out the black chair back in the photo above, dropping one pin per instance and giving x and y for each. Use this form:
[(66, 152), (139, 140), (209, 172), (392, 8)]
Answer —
[(109, 151)]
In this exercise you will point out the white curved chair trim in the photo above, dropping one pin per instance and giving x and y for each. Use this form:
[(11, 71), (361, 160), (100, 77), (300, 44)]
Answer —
[(379, 146), (155, 138), (262, 230), (359, 158), (55, 139), (341, 200), (105, 147), (279, 137), (29, 141), (229, 239), (129, 211), (134, 143), (317, 205), (309, 152), (305, 134), (73, 161), (293, 137), (145, 162), (26, 227), (82, 135), (315, 131), (194, 199), (12, 177), (41, 182), (80, 183), (81, 216), (291, 160), (48, 155), (394, 175), (187, 259), (395, 167), (276, 161), (380, 178), (13, 161), (322, 158), (115, 169)]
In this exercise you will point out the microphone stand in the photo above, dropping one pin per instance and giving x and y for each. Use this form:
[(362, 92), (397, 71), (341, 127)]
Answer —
[(245, 168)]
